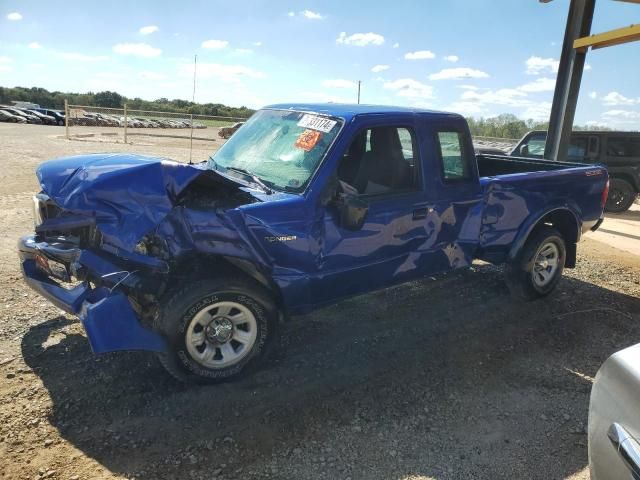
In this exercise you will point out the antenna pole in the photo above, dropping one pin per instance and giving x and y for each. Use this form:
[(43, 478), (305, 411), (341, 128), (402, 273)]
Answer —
[(193, 100), (359, 91)]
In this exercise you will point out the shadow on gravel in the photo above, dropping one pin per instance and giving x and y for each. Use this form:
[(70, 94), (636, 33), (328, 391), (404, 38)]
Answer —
[(446, 379)]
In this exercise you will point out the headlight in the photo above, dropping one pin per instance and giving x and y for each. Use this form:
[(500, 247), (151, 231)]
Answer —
[(39, 208)]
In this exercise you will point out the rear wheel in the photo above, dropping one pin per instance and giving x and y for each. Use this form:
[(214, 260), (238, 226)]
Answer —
[(216, 329), (538, 268), (621, 196)]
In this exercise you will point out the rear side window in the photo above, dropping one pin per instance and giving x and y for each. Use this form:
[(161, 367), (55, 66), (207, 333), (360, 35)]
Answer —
[(577, 149), (623, 147), (452, 156)]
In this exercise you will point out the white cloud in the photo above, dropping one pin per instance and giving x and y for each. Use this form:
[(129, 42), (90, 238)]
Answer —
[(243, 51), (257, 44), (311, 15), (34, 45), (538, 111), (291, 14), (621, 114), (504, 96), (458, 73), (224, 73), (542, 84), (152, 76), (615, 98), (215, 44), (360, 39), (380, 68), (452, 58), (537, 65), (467, 87), (149, 29), (466, 108), (339, 83), (4, 64), (587, 66), (14, 16), (80, 57), (137, 50), (322, 97), (408, 87), (396, 45), (593, 95), (419, 55)]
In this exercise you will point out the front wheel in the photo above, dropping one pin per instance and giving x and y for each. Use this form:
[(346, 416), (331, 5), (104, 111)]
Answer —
[(621, 196), (216, 330), (537, 269)]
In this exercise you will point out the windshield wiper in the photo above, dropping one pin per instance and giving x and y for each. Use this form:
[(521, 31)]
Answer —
[(254, 178)]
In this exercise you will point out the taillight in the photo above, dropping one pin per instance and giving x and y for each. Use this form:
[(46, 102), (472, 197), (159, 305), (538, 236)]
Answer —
[(605, 194)]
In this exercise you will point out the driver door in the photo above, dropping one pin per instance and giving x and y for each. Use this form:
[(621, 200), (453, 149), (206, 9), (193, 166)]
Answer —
[(382, 167)]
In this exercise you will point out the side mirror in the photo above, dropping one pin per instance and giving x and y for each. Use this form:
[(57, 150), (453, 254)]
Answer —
[(524, 150), (352, 211)]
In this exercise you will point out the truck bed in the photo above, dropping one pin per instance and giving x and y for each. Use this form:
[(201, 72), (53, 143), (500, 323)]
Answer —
[(494, 165)]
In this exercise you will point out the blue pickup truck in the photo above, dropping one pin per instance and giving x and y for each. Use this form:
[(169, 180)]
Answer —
[(305, 205)]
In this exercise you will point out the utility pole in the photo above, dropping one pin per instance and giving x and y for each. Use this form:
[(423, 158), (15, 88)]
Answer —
[(193, 100), (359, 92)]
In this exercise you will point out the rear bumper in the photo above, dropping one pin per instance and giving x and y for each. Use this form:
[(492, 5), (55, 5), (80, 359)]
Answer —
[(106, 314)]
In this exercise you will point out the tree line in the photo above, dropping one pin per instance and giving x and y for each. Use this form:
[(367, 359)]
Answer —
[(502, 126), (509, 126), (55, 100)]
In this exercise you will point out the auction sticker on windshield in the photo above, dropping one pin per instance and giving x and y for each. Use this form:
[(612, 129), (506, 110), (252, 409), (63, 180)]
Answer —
[(315, 122)]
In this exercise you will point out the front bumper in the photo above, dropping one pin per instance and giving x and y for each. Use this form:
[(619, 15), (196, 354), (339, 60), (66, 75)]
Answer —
[(106, 314)]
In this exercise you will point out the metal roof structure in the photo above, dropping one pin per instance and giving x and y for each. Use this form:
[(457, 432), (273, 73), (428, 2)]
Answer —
[(577, 41)]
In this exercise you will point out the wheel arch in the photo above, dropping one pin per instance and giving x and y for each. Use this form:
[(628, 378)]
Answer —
[(562, 219), (207, 265)]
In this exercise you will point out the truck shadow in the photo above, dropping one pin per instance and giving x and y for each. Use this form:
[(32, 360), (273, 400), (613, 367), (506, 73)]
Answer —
[(442, 378)]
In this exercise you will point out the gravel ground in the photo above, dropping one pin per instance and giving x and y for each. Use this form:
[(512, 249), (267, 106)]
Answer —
[(445, 378)]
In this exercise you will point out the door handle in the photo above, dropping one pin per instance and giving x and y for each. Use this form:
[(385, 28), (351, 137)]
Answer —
[(421, 212), (627, 447)]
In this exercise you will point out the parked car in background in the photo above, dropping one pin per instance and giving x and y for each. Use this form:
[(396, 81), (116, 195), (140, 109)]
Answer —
[(29, 117), (46, 119), (226, 132), (6, 116), (59, 116), (619, 151), (614, 418), (305, 205)]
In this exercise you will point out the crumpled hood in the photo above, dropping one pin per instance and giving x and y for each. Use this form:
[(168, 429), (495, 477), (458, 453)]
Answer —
[(127, 194)]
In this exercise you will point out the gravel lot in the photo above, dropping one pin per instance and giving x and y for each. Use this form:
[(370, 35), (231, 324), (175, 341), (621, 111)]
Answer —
[(444, 378)]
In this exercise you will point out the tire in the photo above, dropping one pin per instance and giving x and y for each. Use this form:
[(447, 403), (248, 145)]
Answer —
[(197, 323), (60, 123), (621, 196), (544, 251)]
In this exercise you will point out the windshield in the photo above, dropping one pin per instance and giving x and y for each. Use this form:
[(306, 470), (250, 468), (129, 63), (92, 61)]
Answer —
[(281, 148)]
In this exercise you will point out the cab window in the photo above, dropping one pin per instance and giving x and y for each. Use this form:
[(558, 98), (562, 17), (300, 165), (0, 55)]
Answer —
[(381, 160), (452, 156)]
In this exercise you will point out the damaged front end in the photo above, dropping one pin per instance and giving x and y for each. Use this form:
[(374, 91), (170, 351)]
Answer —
[(109, 230)]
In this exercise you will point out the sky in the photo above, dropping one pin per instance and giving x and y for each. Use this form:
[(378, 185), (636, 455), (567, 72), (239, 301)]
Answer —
[(479, 58)]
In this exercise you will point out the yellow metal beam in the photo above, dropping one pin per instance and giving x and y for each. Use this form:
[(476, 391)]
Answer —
[(608, 39)]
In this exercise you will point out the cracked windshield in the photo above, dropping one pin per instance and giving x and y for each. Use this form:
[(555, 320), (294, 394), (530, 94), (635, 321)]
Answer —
[(281, 148)]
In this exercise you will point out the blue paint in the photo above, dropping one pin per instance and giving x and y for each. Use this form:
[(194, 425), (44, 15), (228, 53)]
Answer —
[(129, 197), (107, 318)]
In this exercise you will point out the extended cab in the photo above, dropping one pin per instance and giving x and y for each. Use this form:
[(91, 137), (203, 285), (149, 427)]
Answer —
[(618, 151), (305, 205)]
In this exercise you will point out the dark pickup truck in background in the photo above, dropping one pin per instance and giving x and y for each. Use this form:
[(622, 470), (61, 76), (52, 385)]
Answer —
[(619, 151), (305, 205)]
